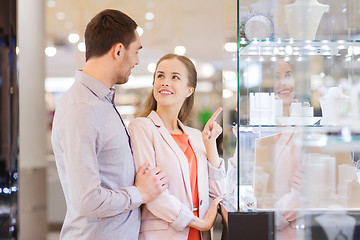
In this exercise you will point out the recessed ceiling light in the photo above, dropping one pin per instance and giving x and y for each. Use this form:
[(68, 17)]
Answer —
[(180, 50), (81, 47), (50, 51), (60, 16), (151, 67), (51, 3), (73, 37), (230, 46), (149, 16)]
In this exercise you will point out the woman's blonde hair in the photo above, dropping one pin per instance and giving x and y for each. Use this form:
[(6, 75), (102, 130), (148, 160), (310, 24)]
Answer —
[(185, 110)]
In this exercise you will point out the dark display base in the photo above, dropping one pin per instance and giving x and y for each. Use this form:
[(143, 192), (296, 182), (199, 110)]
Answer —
[(251, 225)]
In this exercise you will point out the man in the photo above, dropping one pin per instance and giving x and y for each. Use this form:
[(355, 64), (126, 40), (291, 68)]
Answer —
[(91, 143)]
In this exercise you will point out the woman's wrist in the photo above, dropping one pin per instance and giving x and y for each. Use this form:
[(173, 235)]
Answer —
[(213, 157), (199, 224)]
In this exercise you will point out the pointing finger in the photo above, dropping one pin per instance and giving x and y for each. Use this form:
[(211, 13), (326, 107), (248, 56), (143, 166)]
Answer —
[(215, 114)]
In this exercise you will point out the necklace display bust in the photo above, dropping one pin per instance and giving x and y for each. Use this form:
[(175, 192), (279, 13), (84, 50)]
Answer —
[(303, 18), (337, 226)]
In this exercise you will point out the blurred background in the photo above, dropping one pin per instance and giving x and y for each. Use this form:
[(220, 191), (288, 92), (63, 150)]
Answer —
[(43, 40)]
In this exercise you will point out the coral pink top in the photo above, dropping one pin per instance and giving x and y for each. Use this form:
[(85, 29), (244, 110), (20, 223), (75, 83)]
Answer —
[(183, 141)]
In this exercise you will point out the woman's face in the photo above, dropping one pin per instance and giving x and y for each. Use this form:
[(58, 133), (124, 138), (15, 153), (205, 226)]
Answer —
[(284, 85), (171, 83)]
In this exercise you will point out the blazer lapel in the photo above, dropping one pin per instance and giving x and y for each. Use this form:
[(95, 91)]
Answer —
[(178, 152)]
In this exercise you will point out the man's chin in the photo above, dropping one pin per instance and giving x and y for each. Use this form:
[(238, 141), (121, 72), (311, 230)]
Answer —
[(123, 81)]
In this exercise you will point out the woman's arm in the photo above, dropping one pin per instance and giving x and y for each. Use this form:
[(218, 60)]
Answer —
[(204, 224), (211, 132), (166, 206)]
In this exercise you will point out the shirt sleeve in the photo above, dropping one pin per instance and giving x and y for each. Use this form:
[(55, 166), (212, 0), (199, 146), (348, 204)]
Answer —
[(79, 140), (217, 179), (166, 206)]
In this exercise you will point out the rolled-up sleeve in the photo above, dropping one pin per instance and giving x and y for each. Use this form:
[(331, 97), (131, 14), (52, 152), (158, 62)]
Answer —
[(166, 206)]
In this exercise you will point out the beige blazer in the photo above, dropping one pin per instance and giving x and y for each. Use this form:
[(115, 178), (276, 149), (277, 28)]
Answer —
[(168, 216)]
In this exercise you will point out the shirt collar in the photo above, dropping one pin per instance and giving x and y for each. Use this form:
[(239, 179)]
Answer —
[(95, 86)]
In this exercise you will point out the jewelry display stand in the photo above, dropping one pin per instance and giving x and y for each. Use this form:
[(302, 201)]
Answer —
[(337, 226), (303, 18)]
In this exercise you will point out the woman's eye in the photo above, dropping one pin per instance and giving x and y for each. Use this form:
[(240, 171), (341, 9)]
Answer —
[(159, 76), (288, 75), (176, 77)]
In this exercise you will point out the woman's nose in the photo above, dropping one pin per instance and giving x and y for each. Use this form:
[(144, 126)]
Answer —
[(164, 84)]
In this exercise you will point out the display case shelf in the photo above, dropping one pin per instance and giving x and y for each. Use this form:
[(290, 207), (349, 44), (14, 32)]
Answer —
[(290, 47)]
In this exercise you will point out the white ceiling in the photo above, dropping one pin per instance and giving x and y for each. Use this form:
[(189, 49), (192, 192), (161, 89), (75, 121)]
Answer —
[(202, 26)]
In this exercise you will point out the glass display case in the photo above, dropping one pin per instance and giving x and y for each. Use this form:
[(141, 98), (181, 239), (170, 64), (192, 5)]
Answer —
[(292, 129)]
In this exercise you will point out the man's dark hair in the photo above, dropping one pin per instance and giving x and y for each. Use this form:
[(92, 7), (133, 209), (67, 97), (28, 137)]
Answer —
[(107, 28)]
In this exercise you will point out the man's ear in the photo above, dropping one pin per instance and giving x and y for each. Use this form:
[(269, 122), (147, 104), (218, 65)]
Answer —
[(118, 50)]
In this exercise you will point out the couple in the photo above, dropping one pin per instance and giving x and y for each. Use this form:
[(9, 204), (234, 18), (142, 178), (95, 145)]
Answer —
[(107, 171)]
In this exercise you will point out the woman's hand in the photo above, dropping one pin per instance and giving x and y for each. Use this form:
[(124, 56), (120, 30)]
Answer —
[(212, 129), (208, 221), (211, 132)]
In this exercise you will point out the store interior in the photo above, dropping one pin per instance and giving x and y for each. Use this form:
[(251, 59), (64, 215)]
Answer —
[(51, 48), (205, 31)]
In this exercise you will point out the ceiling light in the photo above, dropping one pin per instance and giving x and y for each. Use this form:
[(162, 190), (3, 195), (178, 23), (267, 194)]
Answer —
[(205, 70), (73, 37), (81, 47), (149, 16), (227, 93), (60, 16), (51, 3), (140, 31), (230, 46), (288, 50), (151, 67), (50, 51), (180, 50), (17, 50)]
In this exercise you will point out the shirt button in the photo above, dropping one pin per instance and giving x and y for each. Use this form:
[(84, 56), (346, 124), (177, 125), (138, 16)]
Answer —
[(200, 202)]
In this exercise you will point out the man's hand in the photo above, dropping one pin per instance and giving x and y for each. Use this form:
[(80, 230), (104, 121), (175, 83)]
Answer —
[(150, 183)]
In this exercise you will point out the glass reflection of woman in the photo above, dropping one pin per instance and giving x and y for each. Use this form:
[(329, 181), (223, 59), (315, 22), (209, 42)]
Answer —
[(189, 157), (284, 85)]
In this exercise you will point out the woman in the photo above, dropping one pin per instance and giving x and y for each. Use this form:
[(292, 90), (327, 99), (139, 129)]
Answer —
[(284, 85), (188, 157)]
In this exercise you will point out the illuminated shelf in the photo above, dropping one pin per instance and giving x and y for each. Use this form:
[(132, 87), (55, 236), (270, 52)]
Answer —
[(289, 47)]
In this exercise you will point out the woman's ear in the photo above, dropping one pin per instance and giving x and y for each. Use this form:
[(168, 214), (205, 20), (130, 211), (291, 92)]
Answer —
[(190, 91)]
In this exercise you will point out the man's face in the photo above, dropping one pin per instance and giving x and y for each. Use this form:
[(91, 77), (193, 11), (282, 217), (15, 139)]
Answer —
[(130, 60)]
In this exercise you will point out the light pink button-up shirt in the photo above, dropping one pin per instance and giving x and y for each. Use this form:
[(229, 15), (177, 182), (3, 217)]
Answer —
[(95, 164)]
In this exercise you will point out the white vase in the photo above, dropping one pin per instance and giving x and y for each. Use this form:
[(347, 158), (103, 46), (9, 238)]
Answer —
[(303, 18)]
